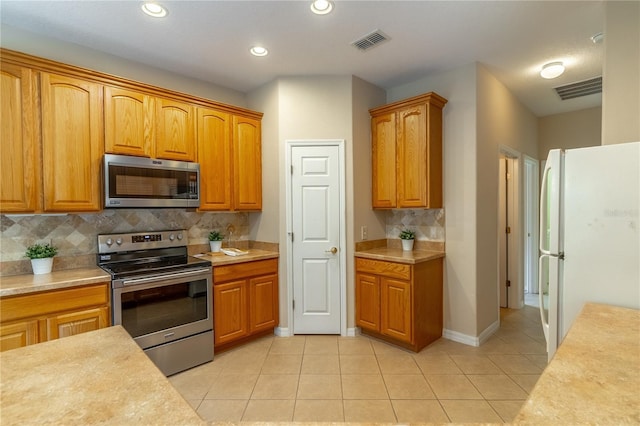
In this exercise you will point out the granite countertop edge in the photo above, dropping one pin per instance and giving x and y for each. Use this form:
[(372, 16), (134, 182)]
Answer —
[(221, 259), (16, 285), (398, 255)]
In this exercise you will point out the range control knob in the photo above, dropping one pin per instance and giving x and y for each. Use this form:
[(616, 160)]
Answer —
[(109, 242), (172, 237), (180, 237), (119, 241)]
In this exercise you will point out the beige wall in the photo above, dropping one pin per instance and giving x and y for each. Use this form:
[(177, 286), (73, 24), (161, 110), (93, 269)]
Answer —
[(365, 97), (621, 73), (503, 123), (569, 130), (73, 54)]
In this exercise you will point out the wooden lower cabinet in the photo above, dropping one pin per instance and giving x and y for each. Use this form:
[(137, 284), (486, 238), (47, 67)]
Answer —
[(400, 303), (39, 317), (245, 302)]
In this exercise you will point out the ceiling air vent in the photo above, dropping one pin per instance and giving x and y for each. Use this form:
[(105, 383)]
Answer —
[(370, 40), (581, 88)]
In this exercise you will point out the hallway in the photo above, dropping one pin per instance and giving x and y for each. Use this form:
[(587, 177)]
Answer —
[(360, 379)]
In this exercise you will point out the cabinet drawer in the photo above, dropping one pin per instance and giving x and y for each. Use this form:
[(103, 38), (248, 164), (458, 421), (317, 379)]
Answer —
[(381, 267), (244, 270), (38, 304)]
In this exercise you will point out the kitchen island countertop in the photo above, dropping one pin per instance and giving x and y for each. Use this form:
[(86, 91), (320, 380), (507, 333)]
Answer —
[(24, 284), (392, 254), (594, 377), (99, 377)]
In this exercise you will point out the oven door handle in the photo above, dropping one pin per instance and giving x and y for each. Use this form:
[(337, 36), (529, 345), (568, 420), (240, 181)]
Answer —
[(156, 278)]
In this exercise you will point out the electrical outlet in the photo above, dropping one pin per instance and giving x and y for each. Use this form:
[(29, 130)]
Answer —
[(363, 232)]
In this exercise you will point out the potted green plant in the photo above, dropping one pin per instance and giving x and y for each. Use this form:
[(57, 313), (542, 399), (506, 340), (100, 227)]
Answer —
[(407, 236), (215, 240), (41, 256)]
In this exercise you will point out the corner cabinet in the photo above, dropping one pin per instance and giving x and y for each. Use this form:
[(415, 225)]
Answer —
[(407, 153), (40, 317), (230, 157), (400, 303), (245, 302)]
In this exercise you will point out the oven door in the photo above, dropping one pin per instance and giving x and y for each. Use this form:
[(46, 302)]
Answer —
[(164, 308)]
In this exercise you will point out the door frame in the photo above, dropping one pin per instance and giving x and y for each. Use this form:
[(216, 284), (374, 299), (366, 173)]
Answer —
[(531, 213), (340, 143), (516, 248)]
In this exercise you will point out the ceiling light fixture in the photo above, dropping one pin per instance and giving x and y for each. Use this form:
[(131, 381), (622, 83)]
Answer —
[(552, 70), (321, 7), (597, 38), (259, 51), (154, 9)]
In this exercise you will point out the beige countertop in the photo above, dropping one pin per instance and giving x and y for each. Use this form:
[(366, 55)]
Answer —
[(29, 283), (220, 259), (594, 377), (398, 255), (99, 377)]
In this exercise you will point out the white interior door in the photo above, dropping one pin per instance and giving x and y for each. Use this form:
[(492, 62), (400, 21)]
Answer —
[(316, 241)]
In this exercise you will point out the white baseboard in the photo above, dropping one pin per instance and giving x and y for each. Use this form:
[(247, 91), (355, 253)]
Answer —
[(353, 332), (471, 340), (282, 332)]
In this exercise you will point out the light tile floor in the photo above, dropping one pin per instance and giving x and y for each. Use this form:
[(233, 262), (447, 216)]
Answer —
[(360, 379)]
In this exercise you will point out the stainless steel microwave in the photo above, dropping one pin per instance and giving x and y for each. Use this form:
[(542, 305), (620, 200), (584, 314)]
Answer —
[(148, 182)]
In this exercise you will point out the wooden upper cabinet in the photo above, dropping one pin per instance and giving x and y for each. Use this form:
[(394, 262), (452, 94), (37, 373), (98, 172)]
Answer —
[(383, 130), (175, 123), (247, 161), (214, 156), (129, 122), (72, 143), (407, 153), (19, 141)]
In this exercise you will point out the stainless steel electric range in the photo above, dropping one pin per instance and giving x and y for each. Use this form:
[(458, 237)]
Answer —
[(161, 296)]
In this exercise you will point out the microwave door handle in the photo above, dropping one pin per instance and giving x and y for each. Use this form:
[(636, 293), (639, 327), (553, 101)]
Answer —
[(144, 280)]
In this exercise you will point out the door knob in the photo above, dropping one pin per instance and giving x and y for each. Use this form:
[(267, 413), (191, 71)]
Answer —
[(333, 250)]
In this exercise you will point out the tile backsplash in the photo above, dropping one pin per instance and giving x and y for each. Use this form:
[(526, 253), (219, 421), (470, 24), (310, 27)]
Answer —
[(75, 235), (427, 224)]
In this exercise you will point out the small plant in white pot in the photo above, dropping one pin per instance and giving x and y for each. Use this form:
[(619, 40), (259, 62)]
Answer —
[(41, 256), (215, 240), (407, 236)]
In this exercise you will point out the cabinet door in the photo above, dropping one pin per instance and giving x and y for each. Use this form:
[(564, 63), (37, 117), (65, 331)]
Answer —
[(247, 161), (368, 301), (18, 334), (230, 311), (396, 315), (129, 122), (175, 127), (19, 153), (383, 139), (412, 157), (263, 303), (214, 156), (72, 323), (72, 143)]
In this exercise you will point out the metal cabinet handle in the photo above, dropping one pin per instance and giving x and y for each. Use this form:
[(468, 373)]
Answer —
[(333, 250)]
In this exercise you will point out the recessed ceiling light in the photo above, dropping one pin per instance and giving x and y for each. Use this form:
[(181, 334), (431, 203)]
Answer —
[(259, 51), (552, 70), (154, 9), (321, 7)]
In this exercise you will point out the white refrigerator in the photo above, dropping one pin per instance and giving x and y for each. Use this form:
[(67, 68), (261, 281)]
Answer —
[(589, 234)]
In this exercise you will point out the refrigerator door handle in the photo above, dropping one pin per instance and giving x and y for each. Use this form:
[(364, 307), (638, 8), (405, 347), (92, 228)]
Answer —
[(543, 317), (544, 218)]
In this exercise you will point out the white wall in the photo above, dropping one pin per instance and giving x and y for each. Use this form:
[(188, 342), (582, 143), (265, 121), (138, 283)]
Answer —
[(73, 54), (621, 73)]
